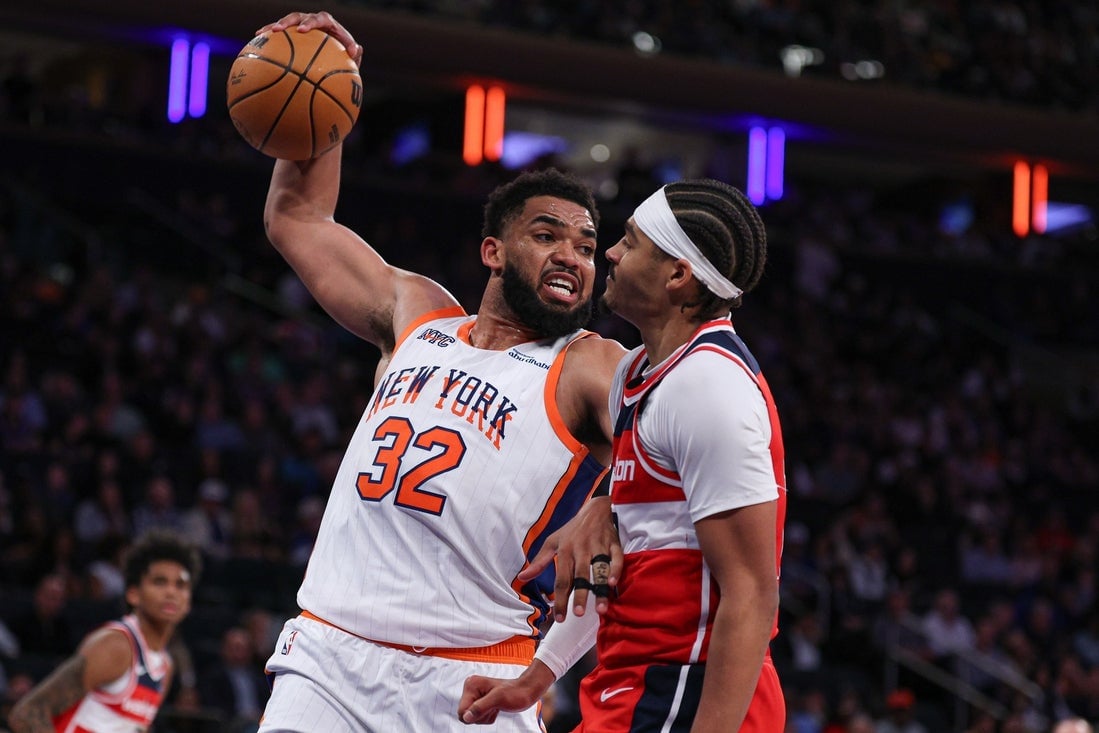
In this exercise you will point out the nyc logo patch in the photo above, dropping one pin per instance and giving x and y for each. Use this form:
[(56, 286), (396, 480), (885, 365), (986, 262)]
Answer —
[(437, 338)]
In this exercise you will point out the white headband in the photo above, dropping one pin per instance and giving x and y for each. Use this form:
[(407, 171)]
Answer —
[(655, 218)]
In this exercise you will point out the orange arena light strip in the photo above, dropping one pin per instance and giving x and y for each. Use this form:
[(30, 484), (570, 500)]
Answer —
[(1039, 198), (1020, 209), (472, 142), (494, 123)]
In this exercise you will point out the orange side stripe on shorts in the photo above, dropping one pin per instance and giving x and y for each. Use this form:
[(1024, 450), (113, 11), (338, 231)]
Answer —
[(516, 650)]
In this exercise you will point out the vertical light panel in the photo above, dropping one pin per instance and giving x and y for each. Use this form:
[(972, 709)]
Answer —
[(776, 162), (1039, 198), (177, 80), (472, 142), (200, 76), (494, 123), (757, 165), (1020, 205)]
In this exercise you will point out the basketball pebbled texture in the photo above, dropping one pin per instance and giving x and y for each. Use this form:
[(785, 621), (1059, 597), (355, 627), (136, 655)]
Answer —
[(294, 95)]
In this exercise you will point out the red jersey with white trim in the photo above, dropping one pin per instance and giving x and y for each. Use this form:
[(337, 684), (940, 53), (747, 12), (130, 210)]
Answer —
[(459, 469), (128, 704), (695, 435)]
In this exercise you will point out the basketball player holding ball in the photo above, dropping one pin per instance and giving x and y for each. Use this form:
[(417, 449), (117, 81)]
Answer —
[(485, 434)]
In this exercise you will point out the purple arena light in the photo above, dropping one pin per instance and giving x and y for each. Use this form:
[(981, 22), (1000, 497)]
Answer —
[(757, 165), (177, 80), (776, 161), (200, 76)]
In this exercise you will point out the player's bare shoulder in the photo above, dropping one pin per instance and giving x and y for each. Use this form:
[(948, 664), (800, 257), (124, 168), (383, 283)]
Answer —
[(108, 652), (585, 386), (414, 296), (595, 353)]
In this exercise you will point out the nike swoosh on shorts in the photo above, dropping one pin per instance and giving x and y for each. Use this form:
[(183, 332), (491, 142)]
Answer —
[(608, 694)]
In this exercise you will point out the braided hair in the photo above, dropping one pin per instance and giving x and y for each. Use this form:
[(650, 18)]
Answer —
[(726, 228)]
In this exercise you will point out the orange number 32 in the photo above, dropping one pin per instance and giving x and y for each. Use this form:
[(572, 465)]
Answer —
[(398, 438)]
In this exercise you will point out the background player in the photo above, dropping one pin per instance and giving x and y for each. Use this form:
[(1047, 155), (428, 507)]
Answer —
[(117, 679)]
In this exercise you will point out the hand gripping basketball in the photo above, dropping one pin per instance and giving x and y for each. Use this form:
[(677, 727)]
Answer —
[(294, 91)]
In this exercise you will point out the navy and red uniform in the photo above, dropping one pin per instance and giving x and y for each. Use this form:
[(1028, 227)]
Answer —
[(128, 704), (681, 455)]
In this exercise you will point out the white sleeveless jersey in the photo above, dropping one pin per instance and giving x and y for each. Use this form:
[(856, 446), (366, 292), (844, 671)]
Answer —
[(457, 472), (128, 704)]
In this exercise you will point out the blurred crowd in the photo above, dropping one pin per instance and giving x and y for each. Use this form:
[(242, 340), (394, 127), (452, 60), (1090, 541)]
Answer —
[(943, 472), (160, 366), (1017, 51)]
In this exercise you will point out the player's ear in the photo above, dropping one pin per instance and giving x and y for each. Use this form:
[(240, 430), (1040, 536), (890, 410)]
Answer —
[(679, 275), (132, 596), (492, 255)]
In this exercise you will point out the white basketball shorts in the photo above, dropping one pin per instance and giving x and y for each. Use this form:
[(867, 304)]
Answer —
[(326, 680)]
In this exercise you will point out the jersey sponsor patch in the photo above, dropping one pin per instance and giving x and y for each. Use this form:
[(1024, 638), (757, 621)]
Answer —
[(518, 355)]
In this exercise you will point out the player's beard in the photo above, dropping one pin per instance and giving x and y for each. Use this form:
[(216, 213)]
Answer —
[(535, 313)]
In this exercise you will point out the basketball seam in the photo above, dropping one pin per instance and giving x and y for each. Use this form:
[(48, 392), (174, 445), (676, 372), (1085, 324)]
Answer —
[(312, 122), (285, 70), (290, 96), (302, 77), (317, 88)]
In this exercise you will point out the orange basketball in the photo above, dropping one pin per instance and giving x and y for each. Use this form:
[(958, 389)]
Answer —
[(294, 95)]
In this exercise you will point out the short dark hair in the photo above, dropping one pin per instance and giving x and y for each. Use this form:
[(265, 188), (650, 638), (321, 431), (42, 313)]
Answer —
[(507, 200), (157, 545), (727, 229)]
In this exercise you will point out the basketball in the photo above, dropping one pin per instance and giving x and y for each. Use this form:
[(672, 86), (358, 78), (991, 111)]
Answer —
[(294, 95)]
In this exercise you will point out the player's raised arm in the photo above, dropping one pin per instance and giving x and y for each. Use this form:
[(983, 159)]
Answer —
[(350, 280)]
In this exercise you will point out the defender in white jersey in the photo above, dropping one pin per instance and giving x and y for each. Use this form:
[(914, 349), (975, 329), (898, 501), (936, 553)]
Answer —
[(485, 433), (698, 489)]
